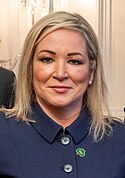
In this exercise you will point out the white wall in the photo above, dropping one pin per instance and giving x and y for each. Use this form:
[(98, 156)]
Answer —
[(87, 8), (118, 56)]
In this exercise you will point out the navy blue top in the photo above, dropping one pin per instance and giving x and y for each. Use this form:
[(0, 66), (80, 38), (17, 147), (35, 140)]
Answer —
[(45, 150)]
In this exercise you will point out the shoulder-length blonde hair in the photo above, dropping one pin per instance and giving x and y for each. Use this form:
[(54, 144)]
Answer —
[(96, 94)]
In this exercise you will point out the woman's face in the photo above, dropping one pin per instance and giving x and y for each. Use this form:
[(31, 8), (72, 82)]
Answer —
[(61, 69)]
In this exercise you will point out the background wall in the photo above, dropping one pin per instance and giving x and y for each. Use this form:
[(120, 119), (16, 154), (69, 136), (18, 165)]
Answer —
[(107, 17), (118, 56)]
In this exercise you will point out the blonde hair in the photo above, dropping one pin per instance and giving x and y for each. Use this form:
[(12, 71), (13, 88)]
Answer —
[(96, 94)]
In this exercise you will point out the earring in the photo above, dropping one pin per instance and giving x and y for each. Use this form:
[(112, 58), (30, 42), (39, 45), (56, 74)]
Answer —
[(90, 82)]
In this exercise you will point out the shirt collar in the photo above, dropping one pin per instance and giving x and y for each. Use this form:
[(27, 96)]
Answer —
[(49, 129), (79, 129)]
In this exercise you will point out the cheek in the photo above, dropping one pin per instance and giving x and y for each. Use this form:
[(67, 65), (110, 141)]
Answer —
[(40, 74), (81, 76)]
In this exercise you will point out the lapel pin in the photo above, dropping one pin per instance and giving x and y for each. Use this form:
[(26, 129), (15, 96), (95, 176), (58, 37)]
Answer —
[(80, 152)]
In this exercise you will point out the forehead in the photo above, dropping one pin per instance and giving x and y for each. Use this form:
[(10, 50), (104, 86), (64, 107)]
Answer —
[(53, 30), (63, 36)]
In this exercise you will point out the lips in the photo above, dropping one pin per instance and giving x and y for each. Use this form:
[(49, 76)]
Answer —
[(60, 89)]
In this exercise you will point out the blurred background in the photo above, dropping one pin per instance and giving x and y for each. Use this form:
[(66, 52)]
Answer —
[(107, 17)]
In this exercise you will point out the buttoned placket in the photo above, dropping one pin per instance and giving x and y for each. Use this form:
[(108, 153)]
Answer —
[(69, 165), (60, 144)]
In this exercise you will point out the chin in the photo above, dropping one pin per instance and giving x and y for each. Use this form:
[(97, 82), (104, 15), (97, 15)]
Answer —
[(59, 104)]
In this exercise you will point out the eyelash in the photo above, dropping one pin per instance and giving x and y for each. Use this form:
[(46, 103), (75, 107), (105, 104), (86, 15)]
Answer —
[(74, 62), (71, 61), (46, 60)]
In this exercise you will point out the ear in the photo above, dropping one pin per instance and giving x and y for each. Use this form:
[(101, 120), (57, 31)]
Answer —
[(92, 71), (91, 77)]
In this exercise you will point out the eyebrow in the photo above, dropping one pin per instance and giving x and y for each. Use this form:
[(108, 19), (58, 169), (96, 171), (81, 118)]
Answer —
[(47, 51), (54, 53), (75, 53)]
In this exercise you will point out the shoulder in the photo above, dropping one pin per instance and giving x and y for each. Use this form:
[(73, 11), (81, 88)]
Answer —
[(118, 133), (2, 117), (118, 126), (8, 150), (4, 70), (4, 123), (6, 73), (10, 126), (5, 131)]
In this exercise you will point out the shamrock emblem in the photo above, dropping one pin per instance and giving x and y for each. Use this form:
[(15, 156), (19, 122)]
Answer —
[(80, 152)]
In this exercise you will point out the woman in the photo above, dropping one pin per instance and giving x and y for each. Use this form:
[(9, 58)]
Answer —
[(7, 78), (60, 125)]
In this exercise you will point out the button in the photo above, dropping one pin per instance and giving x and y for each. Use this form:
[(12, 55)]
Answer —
[(65, 140), (68, 168)]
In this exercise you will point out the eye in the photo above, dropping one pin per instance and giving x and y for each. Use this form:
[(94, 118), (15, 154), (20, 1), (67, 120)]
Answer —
[(46, 60), (74, 62)]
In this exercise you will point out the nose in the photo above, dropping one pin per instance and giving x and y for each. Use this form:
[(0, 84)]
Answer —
[(60, 72)]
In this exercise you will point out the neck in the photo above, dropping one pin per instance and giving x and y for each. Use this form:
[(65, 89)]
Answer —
[(64, 116), (65, 119)]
